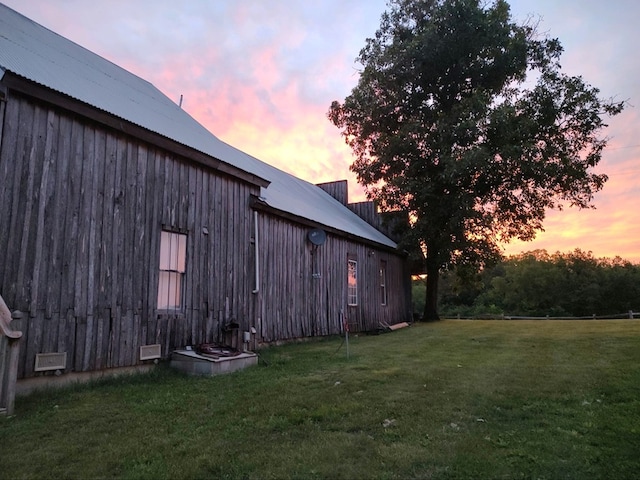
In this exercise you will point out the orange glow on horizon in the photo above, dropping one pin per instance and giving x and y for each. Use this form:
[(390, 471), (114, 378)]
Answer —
[(312, 149)]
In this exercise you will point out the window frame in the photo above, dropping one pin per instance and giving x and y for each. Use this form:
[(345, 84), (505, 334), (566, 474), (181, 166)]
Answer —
[(352, 290), (383, 283), (172, 268)]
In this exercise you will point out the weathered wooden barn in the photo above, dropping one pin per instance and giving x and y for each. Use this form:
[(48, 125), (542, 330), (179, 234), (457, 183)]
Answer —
[(129, 230)]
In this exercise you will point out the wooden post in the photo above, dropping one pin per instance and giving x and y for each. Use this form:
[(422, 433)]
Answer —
[(12, 373), (9, 361)]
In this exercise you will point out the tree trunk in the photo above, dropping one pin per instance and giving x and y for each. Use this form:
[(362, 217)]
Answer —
[(431, 300)]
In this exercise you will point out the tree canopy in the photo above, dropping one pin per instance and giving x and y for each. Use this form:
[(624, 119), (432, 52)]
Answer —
[(464, 119)]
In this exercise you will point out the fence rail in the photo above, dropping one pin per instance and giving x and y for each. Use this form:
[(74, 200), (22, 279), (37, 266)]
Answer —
[(630, 315)]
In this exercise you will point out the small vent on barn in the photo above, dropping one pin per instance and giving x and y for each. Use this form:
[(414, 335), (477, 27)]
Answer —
[(150, 352), (50, 361)]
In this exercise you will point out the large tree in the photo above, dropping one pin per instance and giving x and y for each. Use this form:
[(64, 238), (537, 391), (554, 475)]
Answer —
[(464, 119)]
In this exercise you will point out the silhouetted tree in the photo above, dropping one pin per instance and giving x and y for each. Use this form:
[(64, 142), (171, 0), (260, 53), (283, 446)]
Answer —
[(463, 118)]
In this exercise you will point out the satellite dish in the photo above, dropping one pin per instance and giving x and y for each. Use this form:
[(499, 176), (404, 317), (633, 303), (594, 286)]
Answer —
[(317, 236)]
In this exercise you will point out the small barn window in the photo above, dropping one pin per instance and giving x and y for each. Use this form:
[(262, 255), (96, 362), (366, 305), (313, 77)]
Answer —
[(352, 283), (383, 282), (173, 250)]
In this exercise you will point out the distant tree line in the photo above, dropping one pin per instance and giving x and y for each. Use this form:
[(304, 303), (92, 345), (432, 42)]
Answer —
[(538, 284)]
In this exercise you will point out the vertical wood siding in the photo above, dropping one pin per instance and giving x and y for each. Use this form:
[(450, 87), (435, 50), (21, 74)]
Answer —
[(83, 207), (295, 303), (337, 189)]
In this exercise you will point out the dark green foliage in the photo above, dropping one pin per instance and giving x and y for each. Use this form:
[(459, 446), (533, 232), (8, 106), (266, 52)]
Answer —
[(464, 119), (538, 284)]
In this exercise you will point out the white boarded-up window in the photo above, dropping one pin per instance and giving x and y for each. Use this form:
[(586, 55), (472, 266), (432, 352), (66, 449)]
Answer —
[(173, 256), (352, 283)]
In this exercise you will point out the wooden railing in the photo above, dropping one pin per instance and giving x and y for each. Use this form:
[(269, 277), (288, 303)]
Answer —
[(9, 352)]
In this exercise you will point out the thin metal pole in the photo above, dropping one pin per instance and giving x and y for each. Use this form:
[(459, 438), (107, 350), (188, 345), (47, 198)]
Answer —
[(347, 340)]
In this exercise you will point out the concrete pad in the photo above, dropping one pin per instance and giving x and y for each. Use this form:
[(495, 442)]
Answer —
[(192, 363)]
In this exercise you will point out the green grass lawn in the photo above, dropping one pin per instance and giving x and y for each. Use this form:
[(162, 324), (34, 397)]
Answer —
[(454, 399)]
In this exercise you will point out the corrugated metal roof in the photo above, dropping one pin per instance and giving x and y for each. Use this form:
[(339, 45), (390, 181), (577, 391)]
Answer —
[(42, 56)]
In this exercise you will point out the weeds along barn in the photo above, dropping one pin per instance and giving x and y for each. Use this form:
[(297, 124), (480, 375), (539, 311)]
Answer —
[(126, 224)]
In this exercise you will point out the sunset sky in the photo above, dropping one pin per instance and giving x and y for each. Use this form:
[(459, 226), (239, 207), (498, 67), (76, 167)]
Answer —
[(261, 74)]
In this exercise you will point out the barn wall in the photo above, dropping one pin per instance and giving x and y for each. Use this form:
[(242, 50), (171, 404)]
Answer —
[(82, 208), (303, 289)]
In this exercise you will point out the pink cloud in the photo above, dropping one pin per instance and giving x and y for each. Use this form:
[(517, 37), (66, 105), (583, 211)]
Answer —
[(261, 76)]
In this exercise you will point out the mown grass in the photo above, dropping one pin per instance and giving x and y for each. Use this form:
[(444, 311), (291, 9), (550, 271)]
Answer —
[(454, 399)]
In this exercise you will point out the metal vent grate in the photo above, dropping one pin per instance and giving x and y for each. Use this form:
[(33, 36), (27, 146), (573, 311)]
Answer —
[(50, 361), (150, 352)]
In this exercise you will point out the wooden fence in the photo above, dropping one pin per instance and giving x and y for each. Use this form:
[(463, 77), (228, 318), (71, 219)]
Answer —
[(630, 315)]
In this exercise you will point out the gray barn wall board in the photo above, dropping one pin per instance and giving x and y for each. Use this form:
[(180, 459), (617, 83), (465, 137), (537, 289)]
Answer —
[(85, 206)]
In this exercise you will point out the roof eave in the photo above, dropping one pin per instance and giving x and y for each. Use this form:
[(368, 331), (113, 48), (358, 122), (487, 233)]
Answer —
[(261, 205), (30, 88)]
